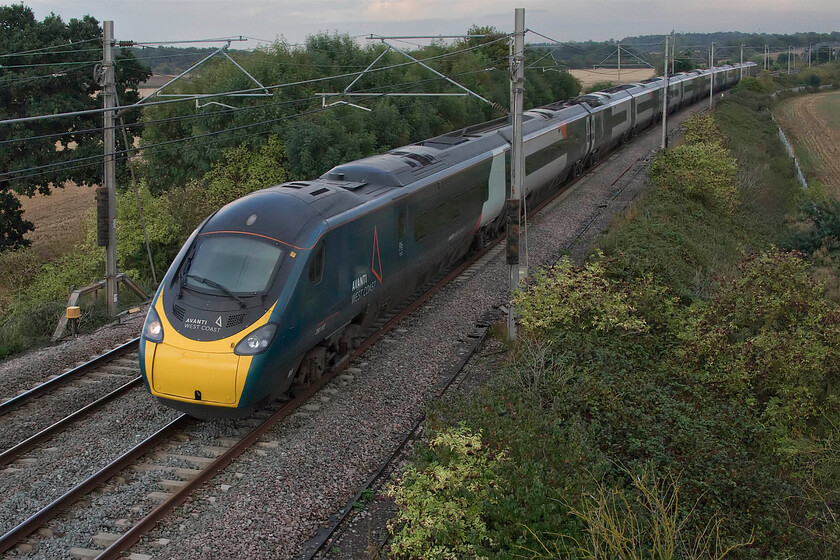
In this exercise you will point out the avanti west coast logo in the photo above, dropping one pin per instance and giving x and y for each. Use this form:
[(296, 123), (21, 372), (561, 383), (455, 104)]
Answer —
[(203, 324)]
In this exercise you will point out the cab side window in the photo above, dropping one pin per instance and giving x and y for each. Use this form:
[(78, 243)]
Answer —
[(316, 264)]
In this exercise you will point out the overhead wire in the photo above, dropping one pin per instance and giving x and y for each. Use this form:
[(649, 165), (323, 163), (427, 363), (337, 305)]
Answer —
[(51, 75), (86, 161), (39, 50), (228, 111), (190, 97)]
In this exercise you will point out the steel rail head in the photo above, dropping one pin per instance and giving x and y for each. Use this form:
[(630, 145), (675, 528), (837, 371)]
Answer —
[(30, 525), (142, 527), (16, 402), (16, 451)]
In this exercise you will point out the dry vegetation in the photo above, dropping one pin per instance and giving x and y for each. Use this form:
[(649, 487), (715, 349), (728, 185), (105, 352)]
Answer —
[(596, 75), (58, 219), (813, 124)]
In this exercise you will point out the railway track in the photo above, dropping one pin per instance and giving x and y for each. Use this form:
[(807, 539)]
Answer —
[(88, 387), (121, 358)]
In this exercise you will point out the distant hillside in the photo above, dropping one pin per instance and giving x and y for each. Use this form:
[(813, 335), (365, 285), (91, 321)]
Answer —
[(649, 47), (170, 60)]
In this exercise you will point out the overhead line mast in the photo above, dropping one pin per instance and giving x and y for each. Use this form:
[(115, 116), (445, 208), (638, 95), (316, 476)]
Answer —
[(109, 176), (517, 160)]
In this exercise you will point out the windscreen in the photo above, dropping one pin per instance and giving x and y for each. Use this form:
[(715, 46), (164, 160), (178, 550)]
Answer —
[(240, 263)]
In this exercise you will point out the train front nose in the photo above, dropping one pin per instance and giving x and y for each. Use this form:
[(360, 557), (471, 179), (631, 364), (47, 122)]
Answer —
[(191, 374)]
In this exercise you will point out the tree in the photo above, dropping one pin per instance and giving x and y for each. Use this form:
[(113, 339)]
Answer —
[(48, 68), (13, 227)]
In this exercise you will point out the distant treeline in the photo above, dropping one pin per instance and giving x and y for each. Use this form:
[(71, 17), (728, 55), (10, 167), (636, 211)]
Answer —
[(170, 60), (586, 54), (649, 48)]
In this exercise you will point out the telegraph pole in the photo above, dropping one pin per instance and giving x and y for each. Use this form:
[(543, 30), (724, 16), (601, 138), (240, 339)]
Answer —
[(517, 159), (742, 61), (109, 175), (665, 100), (789, 48), (712, 84)]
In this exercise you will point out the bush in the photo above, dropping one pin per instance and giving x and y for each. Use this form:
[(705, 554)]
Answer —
[(705, 172), (441, 506), (563, 298), (701, 129), (749, 83), (771, 340)]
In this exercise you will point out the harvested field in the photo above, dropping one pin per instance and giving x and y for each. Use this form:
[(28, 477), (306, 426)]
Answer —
[(812, 123), (627, 75), (58, 218)]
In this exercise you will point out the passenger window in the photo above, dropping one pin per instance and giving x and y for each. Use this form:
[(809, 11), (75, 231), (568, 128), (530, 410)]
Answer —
[(316, 266)]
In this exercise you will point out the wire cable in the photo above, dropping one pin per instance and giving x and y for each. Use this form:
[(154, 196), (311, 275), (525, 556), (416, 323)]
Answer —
[(248, 90), (39, 50)]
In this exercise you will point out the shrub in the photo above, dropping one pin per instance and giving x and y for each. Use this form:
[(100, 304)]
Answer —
[(161, 226), (749, 83), (441, 507), (646, 521), (701, 128), (771, 341), (704, 172), (564, 297)]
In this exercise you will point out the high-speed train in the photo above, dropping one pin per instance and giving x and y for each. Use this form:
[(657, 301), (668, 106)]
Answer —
[(276, 286)]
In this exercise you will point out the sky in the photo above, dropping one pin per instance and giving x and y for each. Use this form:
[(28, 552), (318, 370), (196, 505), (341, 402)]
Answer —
[(562, 20)]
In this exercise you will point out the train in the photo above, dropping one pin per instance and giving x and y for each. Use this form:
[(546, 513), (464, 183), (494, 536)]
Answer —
[(277, 286)]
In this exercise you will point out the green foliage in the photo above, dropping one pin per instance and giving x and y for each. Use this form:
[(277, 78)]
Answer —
[(440, 506), (810, 78), (749, 83), (239, 172), (704, 172), (644, 522), (564, 298), (818, 228), (816, 232), (14, 226), (161, 226), (772, 341), (18, 268), (43, 81), (32, 314), (701, 129), (316, 138), (730, 389), (70, 87)]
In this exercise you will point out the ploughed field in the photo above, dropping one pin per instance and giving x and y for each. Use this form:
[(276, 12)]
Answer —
[(812, 123), (58, 218), (588, 77)]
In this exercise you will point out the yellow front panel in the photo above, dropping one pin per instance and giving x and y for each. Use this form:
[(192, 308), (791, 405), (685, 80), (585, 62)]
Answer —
[(180, 366), (180, 373)]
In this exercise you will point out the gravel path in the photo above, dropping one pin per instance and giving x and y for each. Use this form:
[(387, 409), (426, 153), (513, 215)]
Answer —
[(272, 499)]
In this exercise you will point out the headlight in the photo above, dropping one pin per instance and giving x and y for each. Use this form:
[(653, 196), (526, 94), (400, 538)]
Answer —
[(257, 341), (153, 328)]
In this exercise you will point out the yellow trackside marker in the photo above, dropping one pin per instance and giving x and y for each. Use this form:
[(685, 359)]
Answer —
[(292, 254)]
